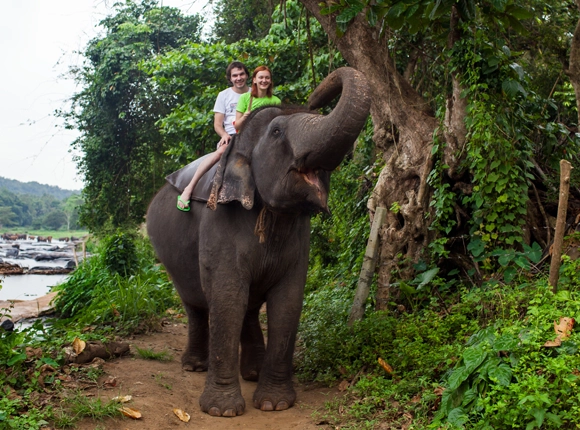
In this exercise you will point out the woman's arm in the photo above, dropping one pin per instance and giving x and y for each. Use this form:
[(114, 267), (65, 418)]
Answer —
[(240, 118)]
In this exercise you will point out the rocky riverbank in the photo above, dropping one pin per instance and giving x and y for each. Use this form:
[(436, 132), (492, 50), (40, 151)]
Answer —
[(22, 256)]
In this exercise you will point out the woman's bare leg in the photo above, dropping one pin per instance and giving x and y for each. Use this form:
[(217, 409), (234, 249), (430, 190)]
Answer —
[(201, 170)]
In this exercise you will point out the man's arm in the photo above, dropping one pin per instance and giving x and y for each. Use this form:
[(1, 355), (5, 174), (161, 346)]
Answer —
[(218, 126)]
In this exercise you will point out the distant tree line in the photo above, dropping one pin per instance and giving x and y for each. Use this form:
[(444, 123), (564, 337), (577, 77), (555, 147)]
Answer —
[(35, 189), (39, 212)]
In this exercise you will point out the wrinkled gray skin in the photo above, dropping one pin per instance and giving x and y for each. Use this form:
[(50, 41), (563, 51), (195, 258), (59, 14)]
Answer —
[(217, 263)]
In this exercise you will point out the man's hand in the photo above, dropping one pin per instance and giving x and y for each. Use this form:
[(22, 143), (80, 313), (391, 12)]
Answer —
[(224, 140)]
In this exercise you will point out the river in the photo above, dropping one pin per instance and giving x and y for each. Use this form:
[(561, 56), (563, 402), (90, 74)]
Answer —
[(32, 286)]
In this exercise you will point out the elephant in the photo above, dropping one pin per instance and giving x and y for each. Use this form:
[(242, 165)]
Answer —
[(253, 247)]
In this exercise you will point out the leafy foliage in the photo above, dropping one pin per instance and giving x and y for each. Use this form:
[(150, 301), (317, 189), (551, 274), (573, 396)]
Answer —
[(32, 211), (117, 109), (195, 74), (504, 367), (35, 189), (122, 287), (245, 19), (477, 358), (119, 253)]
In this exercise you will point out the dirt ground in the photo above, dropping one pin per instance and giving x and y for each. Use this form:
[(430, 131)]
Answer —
[(159, 387)]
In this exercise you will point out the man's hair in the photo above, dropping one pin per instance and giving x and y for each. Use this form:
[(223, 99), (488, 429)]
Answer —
[(255, 86), (235, 65)]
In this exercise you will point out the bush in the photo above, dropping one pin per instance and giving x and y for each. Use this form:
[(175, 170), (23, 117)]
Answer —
[(507, 378), (479, 362), (101, 291), (119, 253)]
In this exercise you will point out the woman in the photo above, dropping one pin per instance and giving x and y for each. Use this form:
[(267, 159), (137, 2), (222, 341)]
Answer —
[(260, 95)]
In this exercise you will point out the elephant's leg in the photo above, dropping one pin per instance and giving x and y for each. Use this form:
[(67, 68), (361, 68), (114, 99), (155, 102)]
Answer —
[(275, 390), (194, 359), (253, 348), (222, 395)]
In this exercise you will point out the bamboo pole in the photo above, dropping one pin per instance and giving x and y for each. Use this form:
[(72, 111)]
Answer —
[(75, 255), (565, 169), (368, 268)]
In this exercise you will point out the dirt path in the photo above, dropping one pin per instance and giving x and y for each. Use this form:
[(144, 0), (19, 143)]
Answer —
[(159, 387)]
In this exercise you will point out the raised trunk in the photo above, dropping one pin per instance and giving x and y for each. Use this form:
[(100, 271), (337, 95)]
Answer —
[(332, 136)]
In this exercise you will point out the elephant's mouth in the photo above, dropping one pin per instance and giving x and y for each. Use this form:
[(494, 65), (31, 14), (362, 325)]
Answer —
[(312, 179)]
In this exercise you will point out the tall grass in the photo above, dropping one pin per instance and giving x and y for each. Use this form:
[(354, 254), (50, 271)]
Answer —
[(109, 291)]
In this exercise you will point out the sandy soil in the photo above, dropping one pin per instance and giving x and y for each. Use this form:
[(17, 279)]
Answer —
[(157, 388)]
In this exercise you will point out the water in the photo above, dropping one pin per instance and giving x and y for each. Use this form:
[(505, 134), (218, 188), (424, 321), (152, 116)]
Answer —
[(28, 287)]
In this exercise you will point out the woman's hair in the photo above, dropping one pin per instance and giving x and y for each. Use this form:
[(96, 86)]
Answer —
[(255, 86)]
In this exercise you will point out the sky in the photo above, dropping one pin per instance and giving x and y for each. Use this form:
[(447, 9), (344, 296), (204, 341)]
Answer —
[(39, 41)]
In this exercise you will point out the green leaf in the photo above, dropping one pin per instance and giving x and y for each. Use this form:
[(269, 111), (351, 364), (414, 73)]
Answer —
[(476, 247), (554, 418), (49, 361), (512, 87), (467, 9), (539, 414), (519, 12), (426, 277), (18, 358), (457, 417), (473, 357), (505, 259), (458, 376), (350, 13), (505, 342), (502, 374), (534, 252), (394, 16)]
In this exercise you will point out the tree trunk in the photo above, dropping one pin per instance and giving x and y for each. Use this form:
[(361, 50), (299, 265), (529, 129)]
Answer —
[(403, 129), (574, 67)]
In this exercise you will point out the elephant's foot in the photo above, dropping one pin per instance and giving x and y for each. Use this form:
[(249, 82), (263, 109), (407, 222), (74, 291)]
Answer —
[(220, 403), (274, 398), (250, 366), (250, 374), (191, 363)]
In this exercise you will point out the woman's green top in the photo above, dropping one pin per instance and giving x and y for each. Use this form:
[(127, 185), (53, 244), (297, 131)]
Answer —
[(256, 102)]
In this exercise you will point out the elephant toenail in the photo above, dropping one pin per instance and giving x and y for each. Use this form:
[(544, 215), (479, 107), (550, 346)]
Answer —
[(267, 406), (282, 406), (214, 412), (229, 413)]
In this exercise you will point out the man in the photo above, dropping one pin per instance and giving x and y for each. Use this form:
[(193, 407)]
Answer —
[(225, 105), (224, 115)]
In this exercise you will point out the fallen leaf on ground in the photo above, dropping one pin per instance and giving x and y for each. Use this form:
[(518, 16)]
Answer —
[(111, 381), (131, 413), (122, 399), (563, 329), (79, 345), (183, 416), (343, 385), (385, 366)]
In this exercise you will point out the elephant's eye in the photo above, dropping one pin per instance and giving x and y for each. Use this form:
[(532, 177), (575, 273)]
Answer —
[(276, 132)]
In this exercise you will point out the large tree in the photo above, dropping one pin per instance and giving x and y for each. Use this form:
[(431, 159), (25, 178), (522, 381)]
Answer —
[(466, 125), (118, 108)]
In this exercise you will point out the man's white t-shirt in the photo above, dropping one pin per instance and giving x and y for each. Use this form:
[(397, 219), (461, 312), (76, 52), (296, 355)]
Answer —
[(226, 103)]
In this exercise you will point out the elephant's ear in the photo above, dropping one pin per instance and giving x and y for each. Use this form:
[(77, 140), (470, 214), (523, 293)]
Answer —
[(233, 179)]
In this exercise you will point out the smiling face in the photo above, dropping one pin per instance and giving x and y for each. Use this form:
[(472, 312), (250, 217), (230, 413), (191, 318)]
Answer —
[(238, 77), (263, 80)]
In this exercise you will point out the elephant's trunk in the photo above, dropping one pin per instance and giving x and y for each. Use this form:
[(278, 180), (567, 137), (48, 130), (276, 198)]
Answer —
[(332, 136)]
